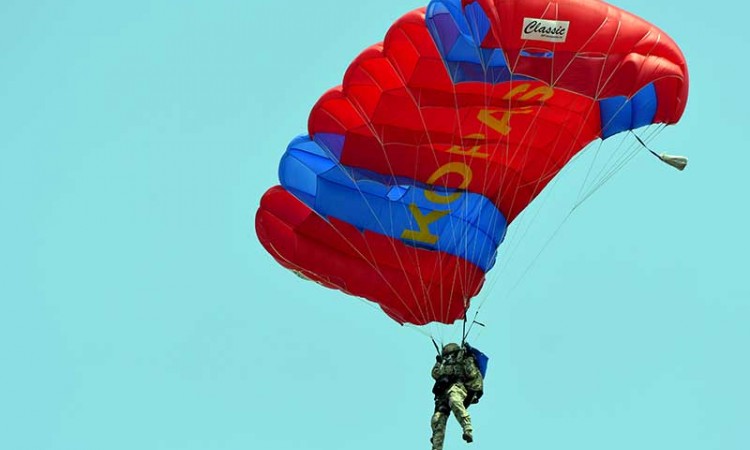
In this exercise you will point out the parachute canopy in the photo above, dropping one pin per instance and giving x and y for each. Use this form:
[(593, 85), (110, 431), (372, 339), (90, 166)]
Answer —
[(410, 172)]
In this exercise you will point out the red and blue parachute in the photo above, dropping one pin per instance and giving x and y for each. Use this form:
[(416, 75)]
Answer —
[(410, 172)]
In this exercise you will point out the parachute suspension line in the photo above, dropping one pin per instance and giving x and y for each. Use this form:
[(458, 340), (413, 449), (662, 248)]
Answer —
[(617, 167), (474, 322), (437, 348), (606, 172), (609, 168), (591, 169), (374, 133), (372, 262), (536, 257), (612, 154), (549, 239), (465, 263), (519, 153), (522, 150), (612, 172), (440, 257), (417, 329), (463, 331), (368, 261), (677, 162), (622, 161), (300, 272), (529, 223), (455, 278)]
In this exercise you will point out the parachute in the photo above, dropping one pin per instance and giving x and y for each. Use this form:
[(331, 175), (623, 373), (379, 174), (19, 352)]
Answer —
[(410, 172)]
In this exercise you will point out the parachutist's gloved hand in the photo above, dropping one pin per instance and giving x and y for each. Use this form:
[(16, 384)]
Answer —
[(439, 358), (472, 398)]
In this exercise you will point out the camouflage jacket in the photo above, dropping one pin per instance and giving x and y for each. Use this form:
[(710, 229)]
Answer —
[(459, 369)]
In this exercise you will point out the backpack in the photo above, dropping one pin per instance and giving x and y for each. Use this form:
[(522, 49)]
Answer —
[(480, 358)]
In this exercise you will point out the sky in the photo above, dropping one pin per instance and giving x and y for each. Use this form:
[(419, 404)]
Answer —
[(139, 311)]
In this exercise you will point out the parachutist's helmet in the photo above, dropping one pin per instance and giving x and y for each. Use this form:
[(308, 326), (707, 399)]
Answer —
[(450, 349)]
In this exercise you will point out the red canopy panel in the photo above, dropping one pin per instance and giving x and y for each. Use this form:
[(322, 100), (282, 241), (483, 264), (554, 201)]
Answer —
[(410, 284)]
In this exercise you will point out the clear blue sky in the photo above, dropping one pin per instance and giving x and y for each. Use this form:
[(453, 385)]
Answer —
[(138, 310)]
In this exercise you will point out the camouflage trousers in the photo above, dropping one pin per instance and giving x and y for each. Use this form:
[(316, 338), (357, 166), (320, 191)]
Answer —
[(452, 400)]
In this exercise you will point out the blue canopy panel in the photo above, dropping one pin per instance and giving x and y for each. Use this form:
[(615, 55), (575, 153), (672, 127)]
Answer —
[(458, 34), (470, 226), (622, 114)]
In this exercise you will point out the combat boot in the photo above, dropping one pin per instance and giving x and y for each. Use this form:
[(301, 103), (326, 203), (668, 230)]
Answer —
[(466, 426)]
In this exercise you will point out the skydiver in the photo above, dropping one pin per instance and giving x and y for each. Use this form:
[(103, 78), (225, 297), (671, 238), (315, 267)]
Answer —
[(458, 384)]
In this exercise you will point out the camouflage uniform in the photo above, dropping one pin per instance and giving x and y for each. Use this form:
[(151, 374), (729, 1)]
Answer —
[(458, 383)]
